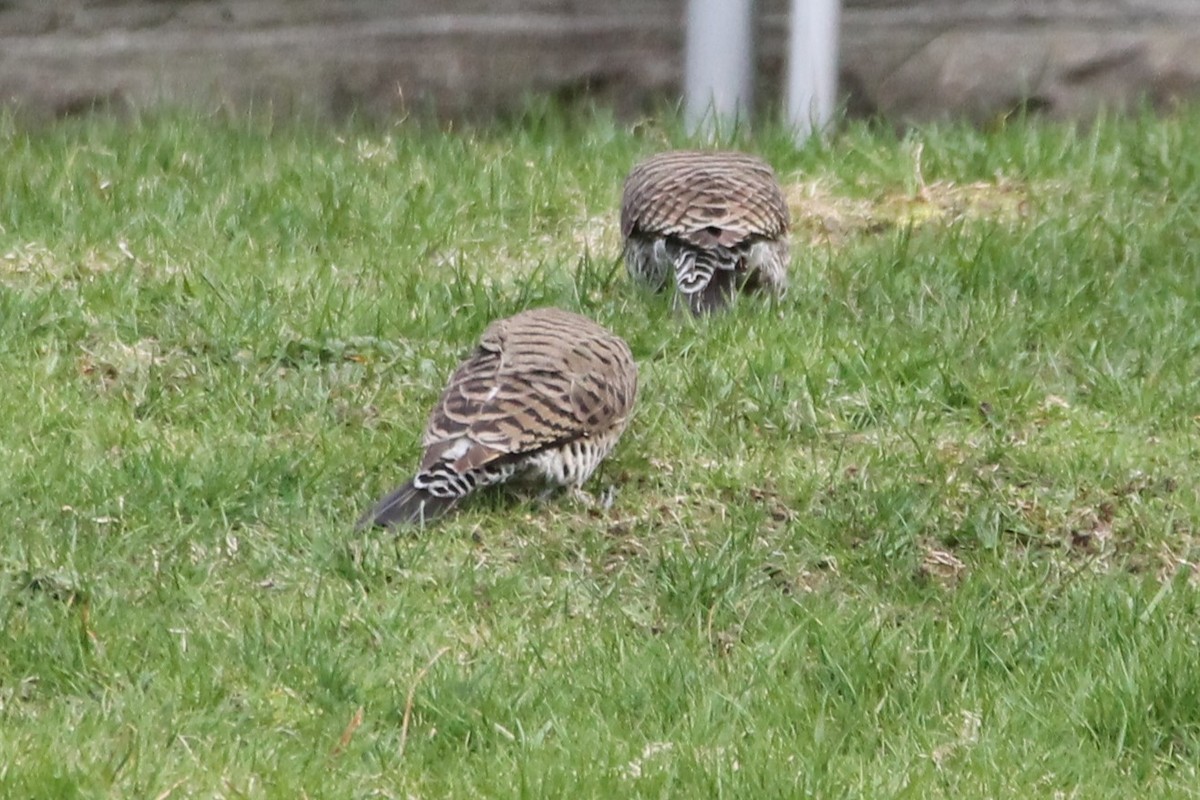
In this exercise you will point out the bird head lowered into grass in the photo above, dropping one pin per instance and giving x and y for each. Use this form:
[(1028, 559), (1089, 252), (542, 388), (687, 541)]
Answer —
[(545, 395), (714, 222)]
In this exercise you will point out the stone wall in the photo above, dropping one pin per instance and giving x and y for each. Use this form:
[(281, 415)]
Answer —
[(907, 59)]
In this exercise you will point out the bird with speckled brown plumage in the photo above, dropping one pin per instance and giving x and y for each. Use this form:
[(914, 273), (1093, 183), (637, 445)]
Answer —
[(545, 395), (712, 222)]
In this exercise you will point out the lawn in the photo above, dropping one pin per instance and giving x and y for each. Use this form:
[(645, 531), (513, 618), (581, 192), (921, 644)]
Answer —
[(926, 527)]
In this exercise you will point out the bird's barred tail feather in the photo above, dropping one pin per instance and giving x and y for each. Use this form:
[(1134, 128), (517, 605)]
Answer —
[(407, 505), (705, 278)]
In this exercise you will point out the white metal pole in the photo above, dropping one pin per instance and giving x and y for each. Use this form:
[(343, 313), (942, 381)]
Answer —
[(719, 62), (812, 65)]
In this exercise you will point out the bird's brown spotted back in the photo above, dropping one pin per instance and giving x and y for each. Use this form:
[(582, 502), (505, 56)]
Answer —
[(705, 198), (541, 377)]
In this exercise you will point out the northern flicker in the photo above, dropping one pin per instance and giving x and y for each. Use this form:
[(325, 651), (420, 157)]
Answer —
[(545, 395), (716, 222)]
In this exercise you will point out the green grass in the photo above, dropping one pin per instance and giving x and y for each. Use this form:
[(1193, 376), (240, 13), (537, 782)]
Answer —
[(924, 528)]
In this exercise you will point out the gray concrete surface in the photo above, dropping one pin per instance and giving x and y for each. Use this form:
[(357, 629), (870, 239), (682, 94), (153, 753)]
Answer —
[(907, 59)]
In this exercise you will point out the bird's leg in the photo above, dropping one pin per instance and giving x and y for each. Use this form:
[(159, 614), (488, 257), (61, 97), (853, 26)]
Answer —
[(581, 497), (602, 501), (608, 497)]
